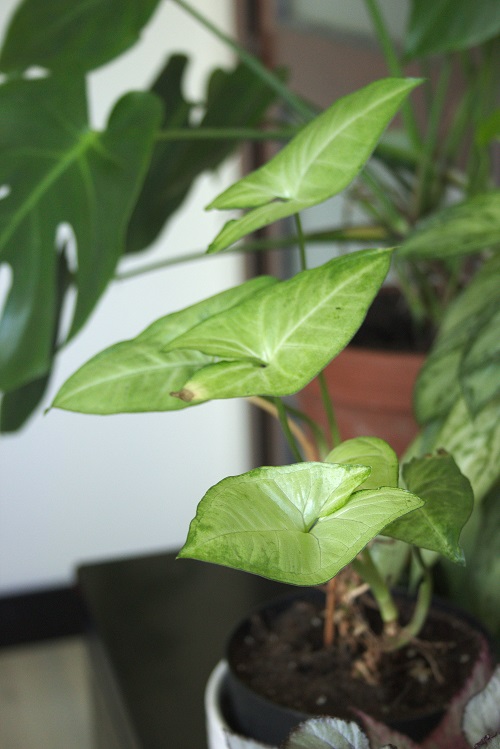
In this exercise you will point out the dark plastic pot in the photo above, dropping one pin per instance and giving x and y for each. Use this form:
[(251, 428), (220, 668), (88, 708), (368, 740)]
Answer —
[(257, 717)]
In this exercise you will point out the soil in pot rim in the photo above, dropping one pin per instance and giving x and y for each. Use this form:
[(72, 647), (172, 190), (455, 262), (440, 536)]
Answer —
[(283, 660)]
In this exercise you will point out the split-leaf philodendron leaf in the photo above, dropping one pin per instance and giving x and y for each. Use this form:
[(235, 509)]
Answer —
[(63, 34), (139, 375), (56, 171), (298, 524), (318, 163)]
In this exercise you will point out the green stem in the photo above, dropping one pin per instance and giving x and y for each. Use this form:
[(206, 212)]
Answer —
[(286, 430), (366, 568), (301, 242), (396, 222), (355, 233), (333, 426), (297, 104), (423, 194), (394, 66), (317, 433), (223, 133), (422, 605)]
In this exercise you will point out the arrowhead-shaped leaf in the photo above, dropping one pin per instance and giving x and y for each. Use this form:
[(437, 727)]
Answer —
[(61, 34), (448, 504), (58, 171), (369, 451), (277, 341), (438, 26), (318, 163), (298, 524), (460, 229), (138, 375)]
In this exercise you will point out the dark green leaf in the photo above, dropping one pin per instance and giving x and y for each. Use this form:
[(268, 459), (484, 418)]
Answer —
[(448, 504), (438, 26), (17, 405), (235, 98), (464, 358), (460, 229), (58, 171), (64, 34)]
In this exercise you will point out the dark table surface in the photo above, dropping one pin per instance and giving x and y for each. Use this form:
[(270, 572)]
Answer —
[(159, 627)]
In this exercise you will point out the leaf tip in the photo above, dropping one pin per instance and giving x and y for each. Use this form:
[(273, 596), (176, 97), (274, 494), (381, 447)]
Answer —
[(184, 395)]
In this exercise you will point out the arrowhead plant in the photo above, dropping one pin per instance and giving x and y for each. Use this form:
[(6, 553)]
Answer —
[(267, 339)]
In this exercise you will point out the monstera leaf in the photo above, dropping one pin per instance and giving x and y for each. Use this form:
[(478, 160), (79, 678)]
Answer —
[(298, 524), (176, 163), (57, 172), (62, 35)]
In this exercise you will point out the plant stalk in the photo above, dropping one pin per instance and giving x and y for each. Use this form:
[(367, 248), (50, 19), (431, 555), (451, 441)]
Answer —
[(221, 133), (283, 419), (394, 67), (270, 408), (367, 570), (330, 604)]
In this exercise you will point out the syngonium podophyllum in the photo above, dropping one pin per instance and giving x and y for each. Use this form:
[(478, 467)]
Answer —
[(266, 338)]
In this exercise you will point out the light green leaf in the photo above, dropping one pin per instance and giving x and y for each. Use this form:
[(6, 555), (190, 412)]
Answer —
[(448, 504), (460, 229), (63, 34), (56, 170), (295, 524), (277, 341), (369, 451), (138, 375), (438, 26), (318, 163)]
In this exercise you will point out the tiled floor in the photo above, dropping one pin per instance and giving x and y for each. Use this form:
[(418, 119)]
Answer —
[(44, 698)]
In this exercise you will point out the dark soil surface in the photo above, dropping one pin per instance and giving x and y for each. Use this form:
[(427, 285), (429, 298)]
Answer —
[(389, 326), (284, 660)]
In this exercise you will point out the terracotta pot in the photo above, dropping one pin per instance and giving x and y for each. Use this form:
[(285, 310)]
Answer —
[(372, 395)]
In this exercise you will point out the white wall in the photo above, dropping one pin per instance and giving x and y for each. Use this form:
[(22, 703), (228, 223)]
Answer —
[(79, 488)]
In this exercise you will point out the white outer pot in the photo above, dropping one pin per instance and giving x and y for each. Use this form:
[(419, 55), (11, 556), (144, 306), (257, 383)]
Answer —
[(217, 727)]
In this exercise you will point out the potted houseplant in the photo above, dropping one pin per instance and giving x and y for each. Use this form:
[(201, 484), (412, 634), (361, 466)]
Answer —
[(471, 722), (266, 339)]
